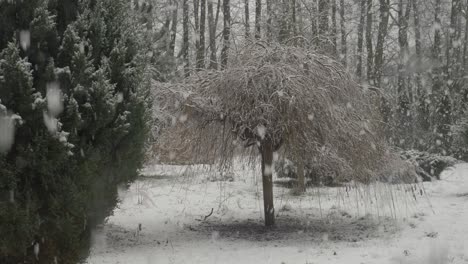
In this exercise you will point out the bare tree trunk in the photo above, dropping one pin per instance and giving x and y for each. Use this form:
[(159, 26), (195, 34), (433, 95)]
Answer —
[(453, 47), (212, 33), (324, 34), (293, 18), (300, 176), (370, 51), (247, 23), (344, 47), (379, 49), (465, 42), (185, 40), (334, 30), (417, 39), (258, 18), (226, 33), (201, 47), (360, 39), (196, 6), (284, 32), (403, 17), (266, 149), (173, 28), (269, 33), (314, 23), (404, 97), (299, 19)]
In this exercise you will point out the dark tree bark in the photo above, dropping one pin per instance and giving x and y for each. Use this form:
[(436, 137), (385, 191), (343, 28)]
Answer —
[(404, 93), (323, 28), (185, 40), (247, 23), (226, 33), (417, 39), (293, 25), (201, 47), (384, 10), (465, 43), (285, 31), (266, 149), (360, 40), (454, 48), (258, 18), (173, 27), (334, 29), (344, 46), (212, 36), (403, 17), (369, 47), (269, 33), (314, 23), (299, 19)]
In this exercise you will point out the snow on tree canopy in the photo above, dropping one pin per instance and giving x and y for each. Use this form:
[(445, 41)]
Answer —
[(298, 100)]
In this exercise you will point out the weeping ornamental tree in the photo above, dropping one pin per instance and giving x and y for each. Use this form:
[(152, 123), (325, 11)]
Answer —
[(284, 99)]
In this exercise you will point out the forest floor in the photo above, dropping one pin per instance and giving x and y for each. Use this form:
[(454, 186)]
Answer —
[(190, 215)]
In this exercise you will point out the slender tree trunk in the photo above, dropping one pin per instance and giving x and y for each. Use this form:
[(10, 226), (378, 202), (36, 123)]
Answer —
[(196, 7), (293, 18), (269, 33), (201, 47), (334, 29), (344, 47), (454, 48), (370, 51), (360, 40), (314, 23), (402, 45), (266, 149), (247, 15), (185, 40), (379, 49), (404, 97), (299, 19), (212, 36), (441, 117), (173, 28), (300, 176), (284, 32), (324, 34), (417, 40), (258, 18), (465, 42), (422, 105), (226, 33)]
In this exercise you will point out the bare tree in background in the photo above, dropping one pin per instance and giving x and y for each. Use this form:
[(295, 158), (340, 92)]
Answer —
[(175, 6), (369, 46), (258, 18), (344, 35), (201, 47), (384, 13), (212, 35), (334, 28), (323, 27), (185, 38), (247, 19), (226, 33), (360, 40)]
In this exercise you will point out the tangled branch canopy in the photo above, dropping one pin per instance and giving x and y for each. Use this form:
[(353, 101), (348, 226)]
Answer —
[(305, 103)]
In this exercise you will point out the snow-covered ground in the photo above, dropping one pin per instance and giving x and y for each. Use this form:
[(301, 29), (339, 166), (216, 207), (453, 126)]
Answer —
[(417, 224)]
